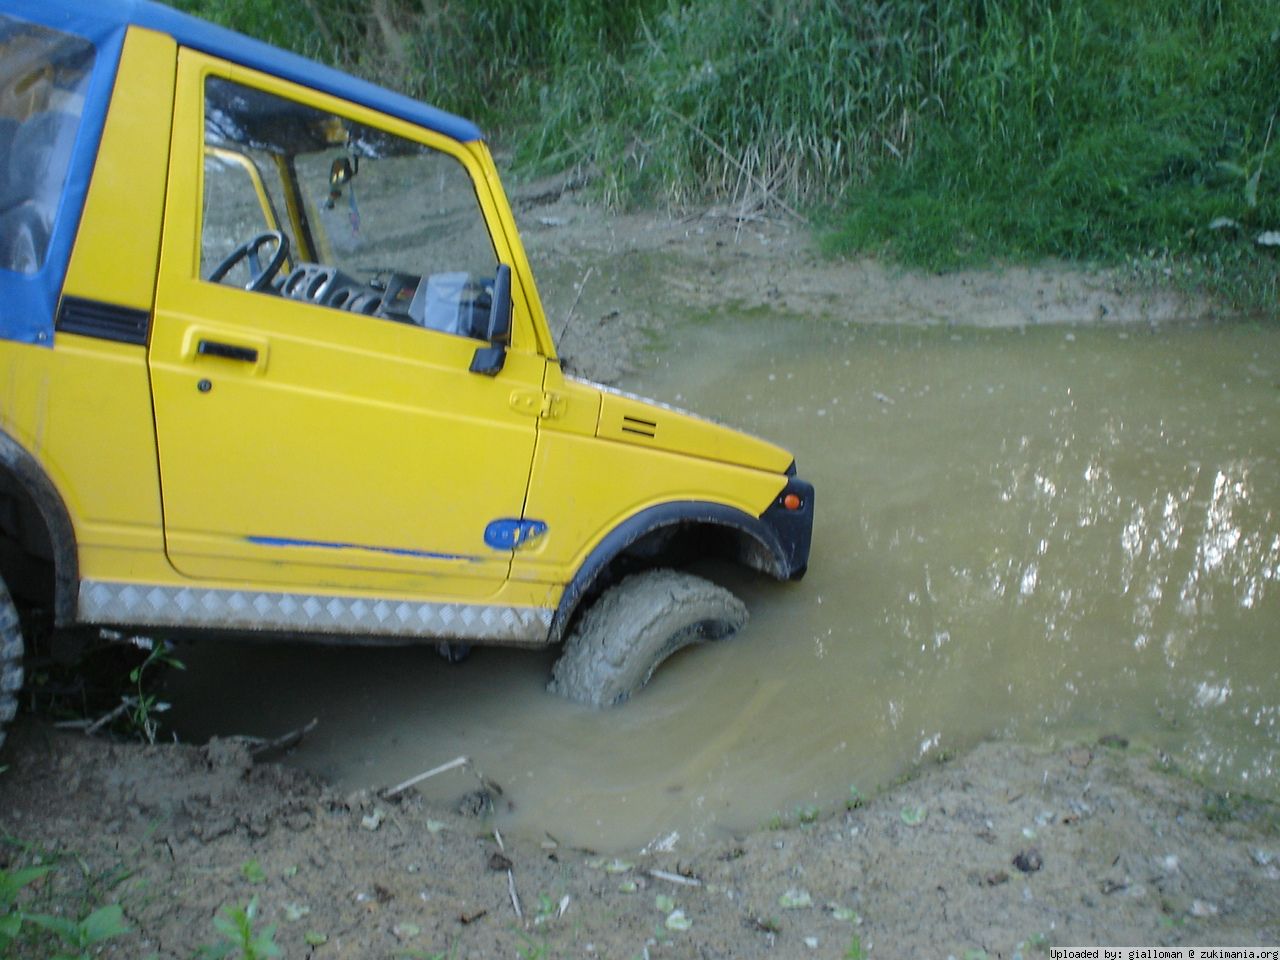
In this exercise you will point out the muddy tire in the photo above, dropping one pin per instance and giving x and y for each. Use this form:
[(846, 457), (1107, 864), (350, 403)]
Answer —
[(10, 659), (633, 627)]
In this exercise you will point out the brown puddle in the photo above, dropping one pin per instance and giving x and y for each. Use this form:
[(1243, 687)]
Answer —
[(1041, 534)]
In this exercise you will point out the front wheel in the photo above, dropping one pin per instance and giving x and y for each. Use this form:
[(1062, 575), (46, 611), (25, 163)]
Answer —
[(10, 659), (636, 625)]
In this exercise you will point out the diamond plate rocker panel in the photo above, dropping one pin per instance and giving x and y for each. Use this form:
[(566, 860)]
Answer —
[(127, 603)]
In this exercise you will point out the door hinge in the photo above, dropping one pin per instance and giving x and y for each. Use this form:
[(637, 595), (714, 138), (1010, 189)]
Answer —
[(535, 403)]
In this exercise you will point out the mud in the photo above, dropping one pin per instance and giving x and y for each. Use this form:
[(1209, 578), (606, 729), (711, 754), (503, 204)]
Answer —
[(1004, 851), (1008, 851)]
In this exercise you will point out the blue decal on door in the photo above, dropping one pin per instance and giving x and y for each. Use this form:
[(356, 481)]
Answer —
[(513, 534), (328, 545)]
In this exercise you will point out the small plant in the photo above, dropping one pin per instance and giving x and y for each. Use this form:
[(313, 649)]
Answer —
[(75, 937), (239, 941), (770, 925), (1038, 942), (10, 916), (547, 909), (807, 813), (855, 951), (855, 799), (1221, 807), (1249, 170), (913, 816), (81, 935), (144, 705), (530, 949)]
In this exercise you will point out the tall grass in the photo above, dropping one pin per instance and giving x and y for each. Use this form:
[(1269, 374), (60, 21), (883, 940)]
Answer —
[(486, 59), (943, 131), (1093, 129)]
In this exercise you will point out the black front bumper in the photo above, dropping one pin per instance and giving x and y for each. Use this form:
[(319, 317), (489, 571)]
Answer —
[(792, 527)]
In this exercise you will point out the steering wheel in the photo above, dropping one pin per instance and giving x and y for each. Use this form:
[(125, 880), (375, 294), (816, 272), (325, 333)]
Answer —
[(260, 274)]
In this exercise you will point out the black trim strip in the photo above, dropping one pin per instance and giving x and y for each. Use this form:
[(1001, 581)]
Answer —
[(105, 321)]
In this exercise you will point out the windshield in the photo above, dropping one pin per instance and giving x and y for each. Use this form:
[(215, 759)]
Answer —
[(372, 223)]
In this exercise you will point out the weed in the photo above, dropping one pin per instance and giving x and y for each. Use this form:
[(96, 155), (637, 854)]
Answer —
[(145, 705), (11, 916), (530, 949), (1038, 942), (767, 924), (549, 909), (81, 935), (855, 951), (75, 939), (1221, 807), (808, 813), (239, 940)]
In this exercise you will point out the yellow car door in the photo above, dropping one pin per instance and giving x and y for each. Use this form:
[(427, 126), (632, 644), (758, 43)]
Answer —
[(317, 420)]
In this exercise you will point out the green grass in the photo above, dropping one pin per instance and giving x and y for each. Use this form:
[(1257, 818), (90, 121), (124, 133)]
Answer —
[(941, 132), (1102, 132)]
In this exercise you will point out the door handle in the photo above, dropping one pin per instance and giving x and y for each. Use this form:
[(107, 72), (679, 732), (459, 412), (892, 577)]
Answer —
[(228, 351)]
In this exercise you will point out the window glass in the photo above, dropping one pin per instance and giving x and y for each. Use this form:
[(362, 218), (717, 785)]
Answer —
[(43, 77), (373, 223), (237, 204)]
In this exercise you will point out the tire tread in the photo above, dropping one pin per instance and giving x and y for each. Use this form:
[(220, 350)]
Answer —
[(634, 626), (11, 650)]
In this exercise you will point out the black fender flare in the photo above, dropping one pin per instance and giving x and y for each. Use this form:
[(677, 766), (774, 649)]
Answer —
[(769, 554), (31, 478)]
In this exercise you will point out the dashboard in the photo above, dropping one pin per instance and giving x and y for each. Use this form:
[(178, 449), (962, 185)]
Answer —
[(448, 302)]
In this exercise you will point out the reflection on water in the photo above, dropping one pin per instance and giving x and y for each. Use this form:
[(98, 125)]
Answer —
[(1038, 534)]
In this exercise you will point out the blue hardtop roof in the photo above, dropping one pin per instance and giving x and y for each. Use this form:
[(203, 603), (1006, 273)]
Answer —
[(28, 300), (217, 41)]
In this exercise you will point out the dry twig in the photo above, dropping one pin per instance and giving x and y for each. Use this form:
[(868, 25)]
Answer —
[(760, 184)]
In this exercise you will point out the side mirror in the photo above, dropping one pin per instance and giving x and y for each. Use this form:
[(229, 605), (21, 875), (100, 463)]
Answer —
[(341, 172), (489, 360)]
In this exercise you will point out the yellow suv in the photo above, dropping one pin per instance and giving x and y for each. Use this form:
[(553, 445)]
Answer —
[(272, 360)]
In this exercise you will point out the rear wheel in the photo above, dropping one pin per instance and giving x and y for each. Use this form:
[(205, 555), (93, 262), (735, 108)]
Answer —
[(10, 659), (636, 625)]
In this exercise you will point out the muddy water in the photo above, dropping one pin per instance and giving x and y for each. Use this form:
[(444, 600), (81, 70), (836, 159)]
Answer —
[(1040, 534)]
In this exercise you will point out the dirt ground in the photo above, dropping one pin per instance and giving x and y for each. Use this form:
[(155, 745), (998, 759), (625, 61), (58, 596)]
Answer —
[(610, 283), (1006, 851)]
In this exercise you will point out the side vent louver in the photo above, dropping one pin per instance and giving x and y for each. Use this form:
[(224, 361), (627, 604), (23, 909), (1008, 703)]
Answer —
[(106, 321), (642, 428)]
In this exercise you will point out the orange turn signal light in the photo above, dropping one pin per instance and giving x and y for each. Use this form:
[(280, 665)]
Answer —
[(792, 501)]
